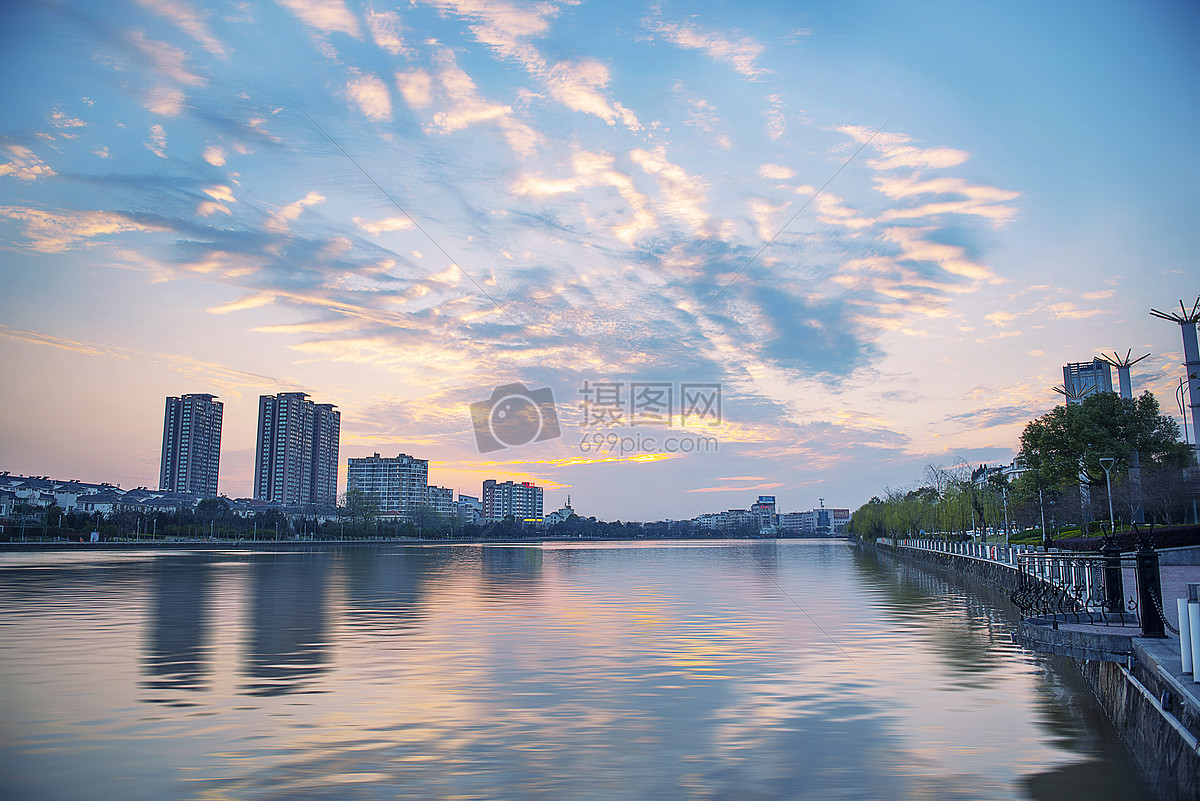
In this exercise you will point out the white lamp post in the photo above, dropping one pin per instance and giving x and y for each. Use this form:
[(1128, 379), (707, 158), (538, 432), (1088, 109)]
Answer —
[(1107, 462)]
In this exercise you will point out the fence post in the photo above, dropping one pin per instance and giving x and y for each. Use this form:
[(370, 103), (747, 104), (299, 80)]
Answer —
[(1149, 591), (1114, 588)]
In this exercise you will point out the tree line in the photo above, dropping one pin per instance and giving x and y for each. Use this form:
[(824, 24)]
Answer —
[(1062, 486)]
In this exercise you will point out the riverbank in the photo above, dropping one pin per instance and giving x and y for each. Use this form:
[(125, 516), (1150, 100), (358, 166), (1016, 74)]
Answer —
[(1154, 707)]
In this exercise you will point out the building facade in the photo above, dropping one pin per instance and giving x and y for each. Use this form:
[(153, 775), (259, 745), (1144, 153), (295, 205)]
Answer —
[(191, 445), (1086, 378), (297, 455), (523, 501), (440, 501), (395, 484), (764, 511)]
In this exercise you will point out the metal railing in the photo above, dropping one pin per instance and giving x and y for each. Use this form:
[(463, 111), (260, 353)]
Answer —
[(1085, 588), (1082, 588)]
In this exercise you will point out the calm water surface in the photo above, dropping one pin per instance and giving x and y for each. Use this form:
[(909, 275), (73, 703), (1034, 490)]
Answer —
[(732, 670)]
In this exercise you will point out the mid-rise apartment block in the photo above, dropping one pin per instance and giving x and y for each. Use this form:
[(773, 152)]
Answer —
[(191, 445), (296, 459), (523, 501)]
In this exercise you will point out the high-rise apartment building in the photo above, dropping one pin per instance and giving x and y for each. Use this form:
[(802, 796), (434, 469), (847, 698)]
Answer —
[(1086, 378), (191, 447), (297, 456), (523, 501), (396, 485)]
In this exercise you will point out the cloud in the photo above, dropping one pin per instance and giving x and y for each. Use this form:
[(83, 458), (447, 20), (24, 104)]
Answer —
[(187, 19), (327, 16), (464, 107), (377, 227), (895, 151), (595, 169), (371, 96), (167, 60), (214, 156), (279, 220), (578, 85), (505, 29), (165, 100), (158, 141), (740, 54), (775, 172), (416, 87), (253, 301), (386, 30), (683, 194), (776, 121), (62, 121), (56, 232), (24, 165)]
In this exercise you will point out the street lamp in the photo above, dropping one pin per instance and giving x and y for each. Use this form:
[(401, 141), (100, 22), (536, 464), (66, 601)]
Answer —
[(1107, 462)]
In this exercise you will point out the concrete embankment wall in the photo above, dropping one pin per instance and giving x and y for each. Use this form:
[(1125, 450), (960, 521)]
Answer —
[(1152, 705)]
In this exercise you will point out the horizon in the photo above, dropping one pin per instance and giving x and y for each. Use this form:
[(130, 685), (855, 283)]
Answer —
[(831, 246)]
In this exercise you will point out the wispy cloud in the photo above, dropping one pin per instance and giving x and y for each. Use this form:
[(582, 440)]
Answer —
[(189, 20), (24, 165), (279, 221), (370, 95), (326, 16), (57, 231), (742, 53)]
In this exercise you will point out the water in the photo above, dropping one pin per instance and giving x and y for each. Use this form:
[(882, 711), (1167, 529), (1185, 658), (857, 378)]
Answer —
[(731, 670)]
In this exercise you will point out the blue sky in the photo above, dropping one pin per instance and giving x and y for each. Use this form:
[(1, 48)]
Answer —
[(881, 228)]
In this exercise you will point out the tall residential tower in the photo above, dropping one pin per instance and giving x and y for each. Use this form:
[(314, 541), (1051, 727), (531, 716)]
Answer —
[(296, 461), (191, 448)]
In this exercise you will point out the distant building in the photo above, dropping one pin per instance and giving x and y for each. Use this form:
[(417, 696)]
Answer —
[(560, 515), (795, 522), (1086, 378), (764, 511), (440, 500), (469, 509), (396, 485), (523, 501), (191, 445), (297, 455)]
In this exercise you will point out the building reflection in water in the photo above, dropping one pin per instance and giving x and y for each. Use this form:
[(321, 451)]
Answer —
[(384, 589), (286, 645), (176, 645), (512, 573)]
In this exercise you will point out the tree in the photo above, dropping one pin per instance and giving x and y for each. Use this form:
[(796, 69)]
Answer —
[(358, 509), (1063, 448)]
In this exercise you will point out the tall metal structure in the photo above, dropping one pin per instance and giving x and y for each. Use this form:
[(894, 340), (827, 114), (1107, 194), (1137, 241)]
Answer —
[(1072, 394), (1123, 363), (1187, 323)]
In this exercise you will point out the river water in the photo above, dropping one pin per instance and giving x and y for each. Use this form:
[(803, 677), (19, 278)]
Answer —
[(714, 670)]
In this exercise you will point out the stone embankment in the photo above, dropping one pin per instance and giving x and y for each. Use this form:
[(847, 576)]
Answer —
[(1139, 681)]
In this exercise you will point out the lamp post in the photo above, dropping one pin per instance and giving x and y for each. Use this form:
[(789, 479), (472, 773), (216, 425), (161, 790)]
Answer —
[(1107, 462)]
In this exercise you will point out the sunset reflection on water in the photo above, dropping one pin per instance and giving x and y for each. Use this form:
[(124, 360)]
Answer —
[(797, 669)]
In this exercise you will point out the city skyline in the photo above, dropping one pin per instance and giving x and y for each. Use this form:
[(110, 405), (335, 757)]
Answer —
[(880, 233)]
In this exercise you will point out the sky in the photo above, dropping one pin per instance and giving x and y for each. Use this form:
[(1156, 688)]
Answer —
[(725, 249)]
